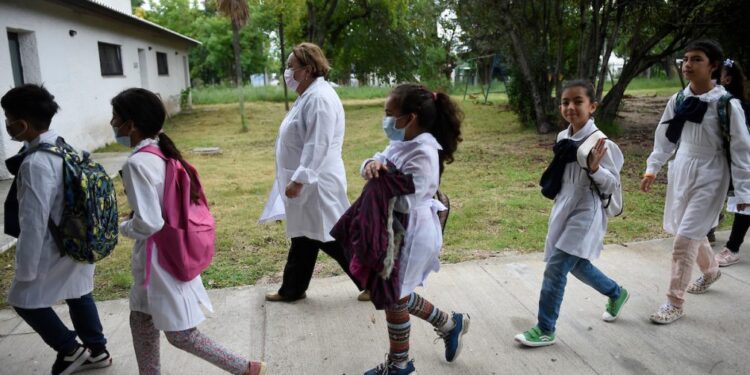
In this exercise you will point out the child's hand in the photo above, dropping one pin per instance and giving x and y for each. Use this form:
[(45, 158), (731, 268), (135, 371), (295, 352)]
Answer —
[(293, 189), (596, 155), (372, 168)]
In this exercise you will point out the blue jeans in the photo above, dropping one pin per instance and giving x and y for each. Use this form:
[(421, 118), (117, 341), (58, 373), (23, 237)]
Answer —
[(555, 278), (53, 331)]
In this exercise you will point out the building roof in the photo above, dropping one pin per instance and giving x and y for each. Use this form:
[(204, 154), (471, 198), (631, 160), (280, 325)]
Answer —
[(95, 7)]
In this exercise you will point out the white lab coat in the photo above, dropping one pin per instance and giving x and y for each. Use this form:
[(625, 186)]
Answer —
[(698, 177), (43, 277), (578, 222), (420, 253), (308, 151), (173, 304)]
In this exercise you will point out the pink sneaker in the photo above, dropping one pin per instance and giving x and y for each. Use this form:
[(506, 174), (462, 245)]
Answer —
[(727, 258), (256, 368)]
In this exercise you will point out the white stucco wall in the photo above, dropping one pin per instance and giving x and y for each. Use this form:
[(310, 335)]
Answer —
[(68, 66)]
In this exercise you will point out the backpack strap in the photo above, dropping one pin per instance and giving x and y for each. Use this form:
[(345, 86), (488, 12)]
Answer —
[(151, 149)]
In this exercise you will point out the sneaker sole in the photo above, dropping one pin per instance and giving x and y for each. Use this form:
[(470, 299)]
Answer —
[(665, 321), (464, 330), (94, 366), (76, 364), (610, 318), (523, 341), (727, 264)]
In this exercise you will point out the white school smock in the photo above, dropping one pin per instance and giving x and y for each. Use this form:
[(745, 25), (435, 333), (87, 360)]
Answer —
[(578, 222), (173, 304), (308, 151), (43, 277), (420, 253), (698, 177)]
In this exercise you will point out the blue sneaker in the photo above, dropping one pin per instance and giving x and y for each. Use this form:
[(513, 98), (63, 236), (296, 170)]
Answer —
[(453, 337), (389, 368)]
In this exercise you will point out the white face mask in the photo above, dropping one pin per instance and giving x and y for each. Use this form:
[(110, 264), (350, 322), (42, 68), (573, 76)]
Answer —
[(123, 140), (289, 79)]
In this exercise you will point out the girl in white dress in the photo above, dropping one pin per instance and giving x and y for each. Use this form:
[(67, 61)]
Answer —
[(698, 177), (164, 303), (424, 128)]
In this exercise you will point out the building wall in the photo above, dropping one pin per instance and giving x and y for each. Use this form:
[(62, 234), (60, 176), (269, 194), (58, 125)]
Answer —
[(63, 54)]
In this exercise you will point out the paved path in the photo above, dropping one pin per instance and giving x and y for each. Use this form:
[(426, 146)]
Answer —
[(331, 333)]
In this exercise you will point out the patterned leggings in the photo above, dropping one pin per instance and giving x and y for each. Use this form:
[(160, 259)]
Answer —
[(399, 325), (146, 345)]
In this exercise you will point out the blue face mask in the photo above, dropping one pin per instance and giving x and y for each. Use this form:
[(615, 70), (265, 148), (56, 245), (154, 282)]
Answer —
[(393, 133), (123, 140)]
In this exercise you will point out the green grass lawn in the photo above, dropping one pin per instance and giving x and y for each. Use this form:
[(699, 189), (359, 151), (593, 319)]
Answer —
[(496, 205)]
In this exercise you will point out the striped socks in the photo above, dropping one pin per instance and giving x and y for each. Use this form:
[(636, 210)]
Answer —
[(399, 325)]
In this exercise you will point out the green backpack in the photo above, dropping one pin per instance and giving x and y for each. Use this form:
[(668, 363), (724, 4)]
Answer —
[(88, 229)]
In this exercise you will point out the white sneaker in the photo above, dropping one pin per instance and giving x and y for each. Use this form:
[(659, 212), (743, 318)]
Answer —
[(702, 284), (666, 314), (727, 258)]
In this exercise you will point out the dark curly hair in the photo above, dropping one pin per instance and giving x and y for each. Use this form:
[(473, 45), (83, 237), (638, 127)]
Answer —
[(436, 113)]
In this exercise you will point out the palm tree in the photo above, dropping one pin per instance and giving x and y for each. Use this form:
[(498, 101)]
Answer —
[(239, 13)]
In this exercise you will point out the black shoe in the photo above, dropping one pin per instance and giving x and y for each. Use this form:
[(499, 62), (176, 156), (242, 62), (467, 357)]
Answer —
[(68, 364), (276, 297), (99, 359)]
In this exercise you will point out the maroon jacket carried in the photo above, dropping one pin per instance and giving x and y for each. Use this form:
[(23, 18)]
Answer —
[(371, 245)]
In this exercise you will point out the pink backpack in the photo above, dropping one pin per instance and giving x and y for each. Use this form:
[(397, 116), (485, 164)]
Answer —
[(186, 241)]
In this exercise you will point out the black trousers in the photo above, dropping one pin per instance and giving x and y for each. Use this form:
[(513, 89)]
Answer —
[(300, 264), (739, 230)]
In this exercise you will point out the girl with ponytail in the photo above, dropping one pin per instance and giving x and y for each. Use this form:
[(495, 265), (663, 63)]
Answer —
[(424, 128), (164, 303)]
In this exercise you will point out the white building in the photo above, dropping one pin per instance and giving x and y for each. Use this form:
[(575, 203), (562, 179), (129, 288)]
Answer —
[(85, 52)]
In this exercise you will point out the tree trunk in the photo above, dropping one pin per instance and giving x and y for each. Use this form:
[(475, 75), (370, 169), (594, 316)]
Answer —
[(611, 103), (543, 125), (238, 72), (283, 59)]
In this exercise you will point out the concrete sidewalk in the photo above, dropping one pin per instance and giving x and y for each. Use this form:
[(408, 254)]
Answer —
[(331, 333)]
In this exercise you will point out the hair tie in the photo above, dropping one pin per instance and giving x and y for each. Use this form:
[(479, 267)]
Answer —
[(434, 96), (728, 63)]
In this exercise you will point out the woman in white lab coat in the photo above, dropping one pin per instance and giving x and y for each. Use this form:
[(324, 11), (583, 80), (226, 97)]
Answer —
[(698, 177), (159, 301), (310, 186)]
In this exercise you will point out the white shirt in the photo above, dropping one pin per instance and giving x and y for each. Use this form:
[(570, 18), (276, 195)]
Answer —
[(578, 222), (698, 177), (173, 304), (308, 151), (43, 277), (420, 253)]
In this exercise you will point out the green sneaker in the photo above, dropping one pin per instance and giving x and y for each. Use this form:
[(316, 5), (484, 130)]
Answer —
[(535, 337), (615, 305)]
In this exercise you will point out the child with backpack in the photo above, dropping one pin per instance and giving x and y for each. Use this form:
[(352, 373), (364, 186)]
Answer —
[(165, 295), (734, 82), (424, 128), (710, 131), (44, 272), (583, 179)]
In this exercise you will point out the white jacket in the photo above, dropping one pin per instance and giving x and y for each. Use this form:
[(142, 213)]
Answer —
[(173, 304), (698, 177), (578, 222), (308, 151), (420, 253), (43, 277)]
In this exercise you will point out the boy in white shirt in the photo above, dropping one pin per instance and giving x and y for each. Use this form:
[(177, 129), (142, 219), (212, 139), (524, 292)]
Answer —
[(43, 275)]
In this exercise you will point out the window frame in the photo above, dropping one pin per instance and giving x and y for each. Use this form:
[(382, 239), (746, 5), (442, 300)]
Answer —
[(164, 61), (104, 68)]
